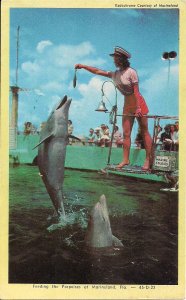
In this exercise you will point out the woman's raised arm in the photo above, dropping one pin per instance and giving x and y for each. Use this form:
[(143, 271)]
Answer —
[(93, 70)]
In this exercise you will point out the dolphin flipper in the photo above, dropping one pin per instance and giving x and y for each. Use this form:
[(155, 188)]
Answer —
[(116, 242), (74, 137), (44, 140)]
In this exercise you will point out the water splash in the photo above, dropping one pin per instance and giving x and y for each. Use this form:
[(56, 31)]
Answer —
[(71, 218)]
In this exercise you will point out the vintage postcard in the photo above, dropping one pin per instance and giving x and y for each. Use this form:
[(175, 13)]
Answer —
[(92, 95)]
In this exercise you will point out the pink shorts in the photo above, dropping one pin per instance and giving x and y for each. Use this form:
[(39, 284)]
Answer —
[(130, 105)]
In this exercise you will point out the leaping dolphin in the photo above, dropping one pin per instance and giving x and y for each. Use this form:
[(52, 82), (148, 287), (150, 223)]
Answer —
[(52, 151), (99, 233)]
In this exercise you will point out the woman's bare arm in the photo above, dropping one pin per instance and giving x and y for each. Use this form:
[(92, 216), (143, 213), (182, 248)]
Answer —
[(93, 70)]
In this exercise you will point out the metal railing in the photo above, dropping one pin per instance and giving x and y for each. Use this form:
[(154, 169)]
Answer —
[(156, 118)]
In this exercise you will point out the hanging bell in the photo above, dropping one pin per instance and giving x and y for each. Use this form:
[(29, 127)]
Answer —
[(101, 107)]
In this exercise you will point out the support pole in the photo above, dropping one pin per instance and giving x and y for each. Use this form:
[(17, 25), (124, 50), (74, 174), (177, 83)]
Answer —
[(14, 114), (112, 136)]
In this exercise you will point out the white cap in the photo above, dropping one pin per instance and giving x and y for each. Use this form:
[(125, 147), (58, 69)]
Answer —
[(120, 51)]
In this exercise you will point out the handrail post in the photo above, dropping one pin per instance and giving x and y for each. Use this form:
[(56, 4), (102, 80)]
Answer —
[(112, 136), (154, 139)]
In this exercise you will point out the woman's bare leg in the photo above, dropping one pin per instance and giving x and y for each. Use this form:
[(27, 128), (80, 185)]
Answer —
[(127, 128), (143, 123)]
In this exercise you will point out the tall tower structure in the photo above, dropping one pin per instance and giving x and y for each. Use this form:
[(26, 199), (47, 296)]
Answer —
[(15, 92), (15, 100)]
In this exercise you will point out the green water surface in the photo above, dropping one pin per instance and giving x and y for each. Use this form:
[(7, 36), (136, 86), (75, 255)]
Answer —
[(142, 217)]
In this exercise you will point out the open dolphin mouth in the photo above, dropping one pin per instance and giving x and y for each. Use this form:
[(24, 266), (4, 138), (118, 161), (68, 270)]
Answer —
[(63, 102)]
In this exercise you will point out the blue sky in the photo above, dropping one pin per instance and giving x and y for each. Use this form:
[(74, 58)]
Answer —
[(52, 41)]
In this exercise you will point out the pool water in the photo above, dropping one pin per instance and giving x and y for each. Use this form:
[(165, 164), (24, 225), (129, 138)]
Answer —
[(142, 217)]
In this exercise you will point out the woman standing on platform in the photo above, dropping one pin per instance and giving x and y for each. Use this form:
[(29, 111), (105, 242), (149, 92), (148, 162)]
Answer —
[(126, 81)]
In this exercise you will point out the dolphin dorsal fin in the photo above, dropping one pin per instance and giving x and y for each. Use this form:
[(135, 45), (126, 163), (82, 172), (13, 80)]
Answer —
[(44, 140)]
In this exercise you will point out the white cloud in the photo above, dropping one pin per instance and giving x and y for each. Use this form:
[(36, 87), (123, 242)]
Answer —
[(30, 67), (56, 64), (80, 50), (42, 45), (94, 85), (38, 92), (82, 111), (68, 55)]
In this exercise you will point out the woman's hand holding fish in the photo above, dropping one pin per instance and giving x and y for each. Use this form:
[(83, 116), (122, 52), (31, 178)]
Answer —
[(78, 66)]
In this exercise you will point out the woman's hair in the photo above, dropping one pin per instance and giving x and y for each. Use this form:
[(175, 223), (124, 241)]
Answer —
[(124, 61)]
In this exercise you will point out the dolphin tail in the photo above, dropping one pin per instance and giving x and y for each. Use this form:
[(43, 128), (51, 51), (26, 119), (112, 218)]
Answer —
[(57, 200), (58, 203)]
